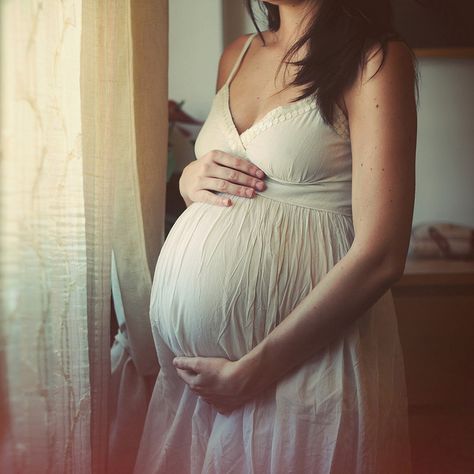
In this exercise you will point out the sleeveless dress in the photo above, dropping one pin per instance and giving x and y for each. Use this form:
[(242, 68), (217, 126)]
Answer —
[(226, 276)]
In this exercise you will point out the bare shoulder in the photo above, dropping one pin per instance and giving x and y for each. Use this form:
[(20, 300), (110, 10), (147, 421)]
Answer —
[(228, 58), (390, 77), (382, 110), (398, 54)]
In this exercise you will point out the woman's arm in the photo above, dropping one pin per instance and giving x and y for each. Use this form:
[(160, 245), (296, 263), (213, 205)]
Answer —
[(218, 170), (383, 127)]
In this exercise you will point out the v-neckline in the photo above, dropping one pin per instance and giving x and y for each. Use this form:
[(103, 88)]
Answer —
[(262, 120), (278, 113)]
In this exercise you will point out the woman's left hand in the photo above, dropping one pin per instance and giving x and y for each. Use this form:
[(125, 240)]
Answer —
[(220, 382)]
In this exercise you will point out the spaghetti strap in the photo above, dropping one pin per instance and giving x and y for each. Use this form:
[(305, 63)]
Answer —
[(239, 59)]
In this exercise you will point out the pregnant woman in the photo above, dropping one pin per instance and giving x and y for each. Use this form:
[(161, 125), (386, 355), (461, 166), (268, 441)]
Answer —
[(271, 307)]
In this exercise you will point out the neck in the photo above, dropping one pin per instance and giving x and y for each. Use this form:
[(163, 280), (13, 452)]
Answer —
[(294, 19)]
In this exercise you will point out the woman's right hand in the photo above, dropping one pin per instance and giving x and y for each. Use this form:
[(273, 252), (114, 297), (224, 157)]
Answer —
[(222, 172)]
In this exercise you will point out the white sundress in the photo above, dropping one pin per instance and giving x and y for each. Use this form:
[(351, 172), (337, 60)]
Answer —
[(226, 276)]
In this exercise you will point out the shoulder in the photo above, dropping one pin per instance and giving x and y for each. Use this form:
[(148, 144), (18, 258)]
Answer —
[(382, 75), (228, 57), (398, 61)]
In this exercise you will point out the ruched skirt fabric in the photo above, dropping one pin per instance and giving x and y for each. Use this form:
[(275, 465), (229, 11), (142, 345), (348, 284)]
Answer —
[(225, 277)]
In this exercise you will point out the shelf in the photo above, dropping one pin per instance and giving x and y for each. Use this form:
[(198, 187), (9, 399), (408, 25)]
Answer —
[(437, 272)]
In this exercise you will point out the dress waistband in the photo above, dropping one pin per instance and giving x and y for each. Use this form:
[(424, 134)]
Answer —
[(332, 196)]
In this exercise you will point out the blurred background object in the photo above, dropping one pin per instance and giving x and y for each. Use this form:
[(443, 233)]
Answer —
[(182, 133), (449, 241)]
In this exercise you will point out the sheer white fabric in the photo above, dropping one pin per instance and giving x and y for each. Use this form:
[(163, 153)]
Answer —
[(44, 334)]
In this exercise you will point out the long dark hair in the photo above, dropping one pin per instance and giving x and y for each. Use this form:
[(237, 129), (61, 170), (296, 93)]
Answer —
[(339, 37)]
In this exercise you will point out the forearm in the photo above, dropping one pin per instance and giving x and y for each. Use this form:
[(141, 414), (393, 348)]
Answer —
[(343, 294)]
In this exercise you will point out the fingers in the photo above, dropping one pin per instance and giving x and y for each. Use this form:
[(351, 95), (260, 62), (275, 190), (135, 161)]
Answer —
[(187, 363), (190, 378), (237, 163), (221, 185), (207, 196), (236, 170), (187, 375), (219, 171), (242, 180)]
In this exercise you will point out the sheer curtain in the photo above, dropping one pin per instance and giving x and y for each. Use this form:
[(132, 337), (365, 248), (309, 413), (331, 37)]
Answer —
[(72, 116), (44, 333)]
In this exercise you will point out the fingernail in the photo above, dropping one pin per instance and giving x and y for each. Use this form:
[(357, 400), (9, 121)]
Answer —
[(260, 174), (261, 185), (250, 192)]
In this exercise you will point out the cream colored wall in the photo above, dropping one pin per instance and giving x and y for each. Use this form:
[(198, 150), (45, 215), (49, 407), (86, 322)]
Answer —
[(199, 30), (236, 21), (445, 149), (195, 42)]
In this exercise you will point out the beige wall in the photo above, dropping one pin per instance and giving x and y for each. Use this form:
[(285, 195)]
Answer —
[(445, 158), (195, 42)]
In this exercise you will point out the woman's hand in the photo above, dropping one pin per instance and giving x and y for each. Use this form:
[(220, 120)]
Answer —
[(220, 382), (219, 171)]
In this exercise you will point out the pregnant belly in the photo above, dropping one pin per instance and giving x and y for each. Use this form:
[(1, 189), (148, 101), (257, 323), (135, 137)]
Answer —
[(225, 277)]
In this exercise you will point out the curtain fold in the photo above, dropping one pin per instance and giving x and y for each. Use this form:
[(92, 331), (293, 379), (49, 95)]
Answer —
[(141, 142), (98, 89), (124, 96), (139, 210)]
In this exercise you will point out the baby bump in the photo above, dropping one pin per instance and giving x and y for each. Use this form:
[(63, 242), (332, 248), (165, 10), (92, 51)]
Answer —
[(226, 277)]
